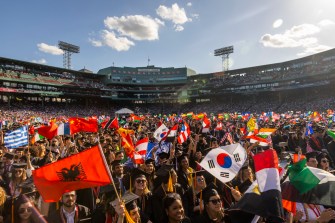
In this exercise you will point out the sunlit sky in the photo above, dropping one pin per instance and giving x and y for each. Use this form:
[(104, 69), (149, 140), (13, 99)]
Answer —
[(169, 33)]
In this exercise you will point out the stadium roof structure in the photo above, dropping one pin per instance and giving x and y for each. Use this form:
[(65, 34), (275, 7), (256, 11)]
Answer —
[(124, 111)]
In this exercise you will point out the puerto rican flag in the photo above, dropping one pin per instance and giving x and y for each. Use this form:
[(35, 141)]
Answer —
[(140, 150), (184, 133)]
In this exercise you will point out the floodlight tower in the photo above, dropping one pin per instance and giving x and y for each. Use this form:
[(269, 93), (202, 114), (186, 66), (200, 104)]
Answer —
[(68, 50), (224, 53)]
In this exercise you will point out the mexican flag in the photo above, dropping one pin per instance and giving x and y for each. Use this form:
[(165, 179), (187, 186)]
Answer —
[(261, 136), (309, 185)]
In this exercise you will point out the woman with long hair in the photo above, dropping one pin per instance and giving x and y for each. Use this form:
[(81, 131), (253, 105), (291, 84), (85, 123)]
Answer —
[(194, 195), (173, 209), (139, 186), (19, 175), (25, 212)]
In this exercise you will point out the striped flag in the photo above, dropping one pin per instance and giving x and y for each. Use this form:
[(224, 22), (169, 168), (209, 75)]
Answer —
[(184, 133), (261, 137), (140, 150), (37, 137), (224, 138), (230, 138), (63, 129), (16, 138)]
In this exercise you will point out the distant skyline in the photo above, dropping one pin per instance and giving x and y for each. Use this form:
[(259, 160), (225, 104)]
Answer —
[(167, 33)]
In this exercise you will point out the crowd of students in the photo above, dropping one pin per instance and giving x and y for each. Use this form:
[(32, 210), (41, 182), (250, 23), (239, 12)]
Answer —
[(170, 186)]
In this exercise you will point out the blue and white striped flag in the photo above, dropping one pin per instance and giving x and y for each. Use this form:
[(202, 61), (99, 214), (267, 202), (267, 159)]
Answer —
[(16, 138)]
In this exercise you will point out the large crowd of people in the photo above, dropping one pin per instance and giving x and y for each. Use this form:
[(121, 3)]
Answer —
[(170, 185)]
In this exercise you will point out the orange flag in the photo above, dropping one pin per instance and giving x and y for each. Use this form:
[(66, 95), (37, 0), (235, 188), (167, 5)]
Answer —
[(49, 131), (83, 125), (82, 170), (127, 145)]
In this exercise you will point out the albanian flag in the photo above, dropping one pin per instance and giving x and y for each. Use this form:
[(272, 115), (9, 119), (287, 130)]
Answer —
[(82, 170)]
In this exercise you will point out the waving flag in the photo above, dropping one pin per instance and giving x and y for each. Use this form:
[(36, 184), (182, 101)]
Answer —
[(63, 129), (161, 132), (140, 150), (16, 138), (263, 198), (127, 145), (225, 162), (262, 136), (206, 123), (171, 135), (49, 131), (111, 124), (82, 170), (184, 133), (83, 125), (309, 185)]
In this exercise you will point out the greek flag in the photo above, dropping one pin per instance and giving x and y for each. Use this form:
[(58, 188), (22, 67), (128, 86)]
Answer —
[(16, 138)]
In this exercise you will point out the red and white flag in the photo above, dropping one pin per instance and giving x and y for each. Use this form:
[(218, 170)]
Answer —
[(140, 150), (184, 133)]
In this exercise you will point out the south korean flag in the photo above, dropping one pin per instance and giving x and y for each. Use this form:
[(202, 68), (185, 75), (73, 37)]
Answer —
[(225, 162)]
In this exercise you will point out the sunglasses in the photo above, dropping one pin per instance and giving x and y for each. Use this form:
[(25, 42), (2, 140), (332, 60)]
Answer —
[(141, 181), (215, 201), (325, 161), (200, 180), (22, 210)]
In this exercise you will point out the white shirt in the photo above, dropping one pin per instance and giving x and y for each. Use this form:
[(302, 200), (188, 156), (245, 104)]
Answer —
[(69, 216)]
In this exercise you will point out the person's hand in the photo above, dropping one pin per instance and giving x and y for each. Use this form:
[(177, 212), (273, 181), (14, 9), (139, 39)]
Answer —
[(326, 215), (298, 215), (118, 207), (236, 194)]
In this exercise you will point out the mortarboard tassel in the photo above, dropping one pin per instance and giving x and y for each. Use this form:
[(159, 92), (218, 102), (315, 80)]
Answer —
[(128, 218), (200, 205), (170, 184)]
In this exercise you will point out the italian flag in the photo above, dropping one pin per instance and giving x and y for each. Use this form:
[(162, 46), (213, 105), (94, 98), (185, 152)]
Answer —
[(261, 136), (36, 137), (309, 185)]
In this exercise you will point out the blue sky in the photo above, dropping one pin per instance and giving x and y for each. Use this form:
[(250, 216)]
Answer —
[(170, 33)]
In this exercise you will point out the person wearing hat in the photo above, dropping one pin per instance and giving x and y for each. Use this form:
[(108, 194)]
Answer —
[(127, 211), (118, 175), (139, 186), (213, 210), (194, 194), (9, 160), (18, 176), (168, 178), (149, 168), (316, 141), (184, 172), (323, 161), (311, 159), (70, 211)]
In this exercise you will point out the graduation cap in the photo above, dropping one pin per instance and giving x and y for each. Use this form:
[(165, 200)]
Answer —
[(163, 155), (19, 165), (149, 160), (164, 173), (129, 199), (116, 163), (209, 191), (9, 156), (312, 154)]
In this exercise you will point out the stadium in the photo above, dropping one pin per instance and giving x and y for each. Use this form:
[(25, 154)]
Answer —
[(300, 84)]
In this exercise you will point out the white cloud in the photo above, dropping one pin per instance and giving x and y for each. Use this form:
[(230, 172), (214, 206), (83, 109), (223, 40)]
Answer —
[(175, 14), (40, 61), (118, 43), (195, 15), (304, 36), (54, 50), (277, 23), (137, 27), (313, 50), (96, 43), (189, 4), (326, 22), (179, 28)]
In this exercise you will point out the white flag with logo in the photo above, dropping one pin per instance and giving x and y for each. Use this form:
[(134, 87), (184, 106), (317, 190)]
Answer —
[(225, 162), (161, 132)]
